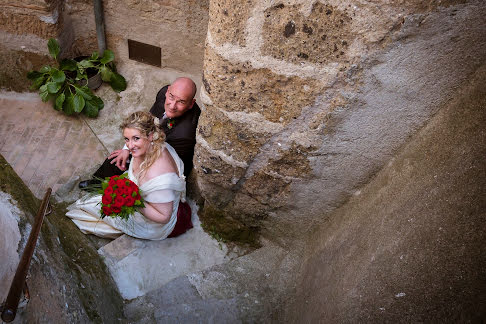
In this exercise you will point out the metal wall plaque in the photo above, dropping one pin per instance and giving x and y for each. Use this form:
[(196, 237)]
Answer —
[(144, 53)]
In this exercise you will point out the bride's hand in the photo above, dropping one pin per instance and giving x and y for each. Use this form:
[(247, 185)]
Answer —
[(119, 157)]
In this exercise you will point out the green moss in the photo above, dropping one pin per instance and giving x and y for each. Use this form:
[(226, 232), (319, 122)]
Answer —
[(90, 271), (13, 185), (226, 229)]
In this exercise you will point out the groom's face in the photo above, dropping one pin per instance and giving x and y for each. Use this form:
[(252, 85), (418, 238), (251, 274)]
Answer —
[(178, 100)]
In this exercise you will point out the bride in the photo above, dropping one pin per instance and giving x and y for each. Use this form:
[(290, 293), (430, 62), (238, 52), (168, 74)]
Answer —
[(158, 171)]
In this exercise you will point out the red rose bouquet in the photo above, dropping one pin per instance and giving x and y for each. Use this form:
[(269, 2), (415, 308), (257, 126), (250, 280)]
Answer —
[(120, 197)]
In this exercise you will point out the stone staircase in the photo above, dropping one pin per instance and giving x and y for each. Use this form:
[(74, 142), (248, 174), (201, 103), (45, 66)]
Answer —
[(194, 278), (248, 289)]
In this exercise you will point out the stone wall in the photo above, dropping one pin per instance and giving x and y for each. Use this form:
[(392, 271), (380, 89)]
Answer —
[(306, 100), (67, 279), (25, 27), (409, 248), (178, 27)]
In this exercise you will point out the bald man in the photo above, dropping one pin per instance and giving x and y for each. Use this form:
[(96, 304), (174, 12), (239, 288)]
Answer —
[(178, 112)]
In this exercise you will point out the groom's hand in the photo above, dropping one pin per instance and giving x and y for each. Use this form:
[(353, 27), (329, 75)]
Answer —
[(119, 157)]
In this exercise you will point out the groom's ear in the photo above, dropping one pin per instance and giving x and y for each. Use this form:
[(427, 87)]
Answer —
[(192, 103)]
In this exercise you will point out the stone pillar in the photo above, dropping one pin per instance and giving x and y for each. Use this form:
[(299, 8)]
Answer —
[(306, 100)]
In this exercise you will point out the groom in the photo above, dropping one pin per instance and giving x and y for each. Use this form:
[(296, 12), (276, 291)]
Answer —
[(178, 112)]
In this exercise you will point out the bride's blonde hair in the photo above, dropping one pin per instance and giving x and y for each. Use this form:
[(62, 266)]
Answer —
[(147, 124)]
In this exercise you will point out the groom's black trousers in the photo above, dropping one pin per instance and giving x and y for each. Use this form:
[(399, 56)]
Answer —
[(107, 169)]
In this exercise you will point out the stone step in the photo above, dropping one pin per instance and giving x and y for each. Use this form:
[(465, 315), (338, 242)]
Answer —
[(179, 302), (246, 289), (140, 266)]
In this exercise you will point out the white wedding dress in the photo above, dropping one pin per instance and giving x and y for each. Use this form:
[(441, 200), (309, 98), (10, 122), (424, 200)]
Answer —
[(167, 187)]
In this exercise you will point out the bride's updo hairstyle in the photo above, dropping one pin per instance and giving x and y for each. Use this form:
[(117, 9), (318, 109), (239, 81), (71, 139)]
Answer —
[(147, 124)]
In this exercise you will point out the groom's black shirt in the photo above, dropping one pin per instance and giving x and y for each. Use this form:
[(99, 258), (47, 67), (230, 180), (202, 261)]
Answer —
[(182, 135)]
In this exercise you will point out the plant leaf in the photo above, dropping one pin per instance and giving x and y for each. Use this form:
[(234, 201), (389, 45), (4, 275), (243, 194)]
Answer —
[(81, 74), (90, 109), (98, 102), (78, 103), (59, 101), (53, 47), (37, 83), (106, 73), (43, 93), (45, 69), (85, 64), (108, 56), (53, 87), (94, 56), (58, 76), (84, 91), (44, 96), (68, 106), (118, 82), (68, 65)]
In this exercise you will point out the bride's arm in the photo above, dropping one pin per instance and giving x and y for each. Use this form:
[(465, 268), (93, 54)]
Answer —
[(160, 211), (157, 212)]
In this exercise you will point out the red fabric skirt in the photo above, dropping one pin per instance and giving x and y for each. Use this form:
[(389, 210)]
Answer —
[(183, 222)]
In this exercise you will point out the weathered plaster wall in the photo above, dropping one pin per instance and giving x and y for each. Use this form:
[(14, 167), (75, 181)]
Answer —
[(178, 27), (10, 239), (307, 100), (410, 247), (24, 28)]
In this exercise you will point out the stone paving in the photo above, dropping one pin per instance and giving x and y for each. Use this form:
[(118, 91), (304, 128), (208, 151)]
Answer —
[(45, 147)]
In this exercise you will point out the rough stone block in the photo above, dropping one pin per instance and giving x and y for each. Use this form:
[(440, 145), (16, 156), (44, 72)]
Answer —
[(321, 37), (235, 140), (228, 21), (237, 86)]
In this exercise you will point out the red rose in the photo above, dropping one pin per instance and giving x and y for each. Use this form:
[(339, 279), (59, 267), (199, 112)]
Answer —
[(112, 181), (107, 210), (119, 201), (106, 199), (133, 186), (121, 183), (129, 201), (109, 190), (125, 191), (115, 209)]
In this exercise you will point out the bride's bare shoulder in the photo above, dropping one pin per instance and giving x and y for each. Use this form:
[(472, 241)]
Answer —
[(164, 164)]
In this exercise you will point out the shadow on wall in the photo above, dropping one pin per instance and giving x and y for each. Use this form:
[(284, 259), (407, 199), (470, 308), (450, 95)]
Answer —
[(409, 248)]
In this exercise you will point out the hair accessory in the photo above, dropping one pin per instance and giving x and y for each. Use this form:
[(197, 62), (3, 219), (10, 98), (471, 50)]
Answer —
[(156, 121), (155, 136)]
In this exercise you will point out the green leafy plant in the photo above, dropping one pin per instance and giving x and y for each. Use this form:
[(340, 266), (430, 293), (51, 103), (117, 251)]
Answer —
[(66, 84)]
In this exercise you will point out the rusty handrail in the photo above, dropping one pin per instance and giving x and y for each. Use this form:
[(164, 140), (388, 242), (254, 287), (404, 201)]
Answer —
[(10, 307)]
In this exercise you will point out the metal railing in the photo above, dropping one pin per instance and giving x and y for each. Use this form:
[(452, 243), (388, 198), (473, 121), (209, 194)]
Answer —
[(9, 309)]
